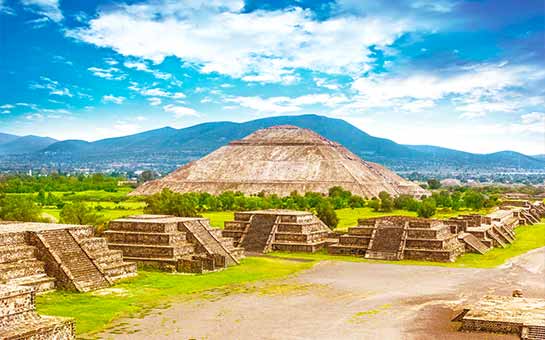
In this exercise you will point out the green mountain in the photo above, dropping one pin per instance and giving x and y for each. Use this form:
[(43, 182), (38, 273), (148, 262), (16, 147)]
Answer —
[(10, 144), (196, 141)]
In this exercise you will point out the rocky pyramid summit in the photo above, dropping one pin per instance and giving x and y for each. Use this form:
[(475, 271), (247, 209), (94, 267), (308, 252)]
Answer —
[(280, 160)]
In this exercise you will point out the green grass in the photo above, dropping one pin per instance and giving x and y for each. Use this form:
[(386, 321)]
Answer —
[(152, 289), (217, 218), (528, 238)]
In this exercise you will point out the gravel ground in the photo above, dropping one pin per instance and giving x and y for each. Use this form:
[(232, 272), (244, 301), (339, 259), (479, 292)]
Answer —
[(344, 300)]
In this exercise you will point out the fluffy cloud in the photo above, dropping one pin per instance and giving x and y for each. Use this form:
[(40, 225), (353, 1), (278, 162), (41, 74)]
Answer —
[(141, 66), (47, 8), (286, 104), (474, 91), (180, 111), (216, 37), (113, 99), (53, 86), (111, 73)]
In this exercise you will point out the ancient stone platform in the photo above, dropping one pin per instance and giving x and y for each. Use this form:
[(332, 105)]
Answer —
[(493, 230), (505, 314), (45, 256), (264, 230), (400, 237), (19, 320), (172, 243)]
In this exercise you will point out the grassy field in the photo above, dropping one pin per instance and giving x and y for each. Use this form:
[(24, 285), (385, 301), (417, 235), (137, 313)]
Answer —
[(218, 217), (151, 289), (528, 238)]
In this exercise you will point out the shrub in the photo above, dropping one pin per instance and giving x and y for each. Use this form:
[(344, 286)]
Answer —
[(427, 208), (327, 214)]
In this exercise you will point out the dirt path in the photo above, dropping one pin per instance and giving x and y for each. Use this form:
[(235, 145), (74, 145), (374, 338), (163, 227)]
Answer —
[(345, 300)]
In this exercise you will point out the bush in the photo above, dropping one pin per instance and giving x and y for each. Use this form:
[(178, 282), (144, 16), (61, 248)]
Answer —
[(19, 208), (427, 208), (327, 214), (79, 213), (170, 203)]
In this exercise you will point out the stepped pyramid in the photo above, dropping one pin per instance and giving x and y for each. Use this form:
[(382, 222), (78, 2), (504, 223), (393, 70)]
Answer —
[(280, 160), (44, 256), (264, 230), (185, 244), (400, 237)]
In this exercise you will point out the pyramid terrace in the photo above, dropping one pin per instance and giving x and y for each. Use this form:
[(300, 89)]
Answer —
[(48, 256), (172, 243)]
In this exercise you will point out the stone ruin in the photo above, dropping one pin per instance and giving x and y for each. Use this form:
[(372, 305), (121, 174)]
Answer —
[(493, 230), (287, 230), (183, 244), (506, 314), (528, 212), (44, 256), (400, 237), (19, 320)]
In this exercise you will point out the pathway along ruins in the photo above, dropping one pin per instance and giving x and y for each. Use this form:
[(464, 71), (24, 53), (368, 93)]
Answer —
[(348, 300)]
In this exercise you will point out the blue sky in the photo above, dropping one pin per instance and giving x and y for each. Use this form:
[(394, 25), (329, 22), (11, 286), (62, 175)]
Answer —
[(462, 74)]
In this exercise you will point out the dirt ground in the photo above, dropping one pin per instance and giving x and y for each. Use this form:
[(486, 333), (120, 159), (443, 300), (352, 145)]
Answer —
[(344, 300)]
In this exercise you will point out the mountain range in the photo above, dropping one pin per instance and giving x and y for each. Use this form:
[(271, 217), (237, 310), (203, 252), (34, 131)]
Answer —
[(196, 141)]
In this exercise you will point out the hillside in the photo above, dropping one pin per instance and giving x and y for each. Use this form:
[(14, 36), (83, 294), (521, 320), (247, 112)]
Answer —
[(177, 146), (10, 144)]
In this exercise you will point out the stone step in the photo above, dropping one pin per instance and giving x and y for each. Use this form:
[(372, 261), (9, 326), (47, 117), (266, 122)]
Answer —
[(137, 237), (120, 269), (40, 282), (107, 257), (153, 251), (474, 243), (16, 253), (12, 270), (535, 333), (94, 244), (44, 327)]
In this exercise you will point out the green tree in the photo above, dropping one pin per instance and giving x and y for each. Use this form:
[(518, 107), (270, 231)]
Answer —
[(374, 204), (386, 201), (79, 213), (19, 208), (427, 208), (327, 214), (434, 184), (474, 199), (170, 203)]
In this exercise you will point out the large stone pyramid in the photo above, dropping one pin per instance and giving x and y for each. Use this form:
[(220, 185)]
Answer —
[(280, 160)]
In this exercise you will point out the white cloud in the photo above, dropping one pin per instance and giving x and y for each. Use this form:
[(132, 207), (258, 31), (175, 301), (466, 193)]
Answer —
[(47, 8), (155, 93), (286, 104), (327, 84), (111, 73), (180, 111), (53, 86), (113, 99), (216, 38), (154, 101), (141, 66), (111, 61)]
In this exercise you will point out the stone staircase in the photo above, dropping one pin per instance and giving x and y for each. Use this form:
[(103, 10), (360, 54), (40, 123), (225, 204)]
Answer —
[(533, 332), (110, 262), (276, 229), (387, 243), (203, 234), (19, 265), (19, 320), (474, 244), (496, 238), (81, 273), (257, 238)]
